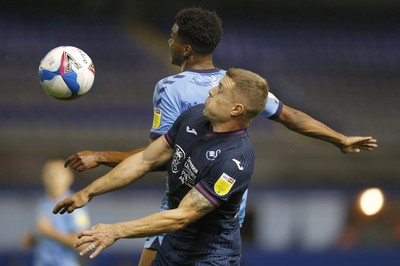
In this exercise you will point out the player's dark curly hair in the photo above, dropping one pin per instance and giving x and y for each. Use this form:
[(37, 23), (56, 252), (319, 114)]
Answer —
[(200, 28)]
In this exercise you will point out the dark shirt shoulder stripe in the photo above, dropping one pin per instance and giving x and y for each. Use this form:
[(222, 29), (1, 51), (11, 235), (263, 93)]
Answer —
[(207, 195), (170, 141)]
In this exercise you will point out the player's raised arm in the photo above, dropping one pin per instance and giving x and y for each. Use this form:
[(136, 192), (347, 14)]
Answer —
[(128, 171), (192, 207), (306, 125), (85, 160)]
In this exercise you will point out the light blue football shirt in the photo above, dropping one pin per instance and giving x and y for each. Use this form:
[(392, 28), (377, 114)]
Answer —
[(177, 93), (49, 252)]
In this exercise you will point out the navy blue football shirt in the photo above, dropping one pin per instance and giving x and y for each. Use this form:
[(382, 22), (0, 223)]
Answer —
[(219, 166)]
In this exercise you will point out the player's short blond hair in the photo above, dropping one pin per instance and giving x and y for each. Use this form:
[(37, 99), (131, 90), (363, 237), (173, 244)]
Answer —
[(251, 90)]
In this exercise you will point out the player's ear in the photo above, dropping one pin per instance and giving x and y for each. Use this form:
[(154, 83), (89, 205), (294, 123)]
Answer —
[(187, 50), (237, 109)]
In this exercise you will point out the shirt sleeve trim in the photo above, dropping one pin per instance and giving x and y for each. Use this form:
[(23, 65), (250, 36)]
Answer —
[(278, 111), (170, 141), (214, 201)]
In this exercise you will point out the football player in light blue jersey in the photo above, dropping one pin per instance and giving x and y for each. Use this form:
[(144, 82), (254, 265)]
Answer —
[(53, 243), (177, 93), (194, 37)]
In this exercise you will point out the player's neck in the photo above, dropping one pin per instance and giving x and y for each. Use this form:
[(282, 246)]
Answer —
[(226, 127), (198, 63)]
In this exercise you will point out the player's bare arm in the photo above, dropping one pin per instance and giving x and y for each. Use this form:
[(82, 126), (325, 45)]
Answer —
[(85, 160), (193, 206), (46, 228), (306, 125), (125, 173)]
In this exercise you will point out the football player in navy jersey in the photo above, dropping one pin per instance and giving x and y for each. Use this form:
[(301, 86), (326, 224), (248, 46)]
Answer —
[(194, 37), (209, 161)]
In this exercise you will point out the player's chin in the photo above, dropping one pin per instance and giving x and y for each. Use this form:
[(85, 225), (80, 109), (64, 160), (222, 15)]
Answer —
[(205, 112)]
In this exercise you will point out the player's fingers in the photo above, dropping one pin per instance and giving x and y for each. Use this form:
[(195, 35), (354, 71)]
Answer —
[(59, 208), (63, 210), (85, 233), (96, 252), (84, 240), (77, 166), (369, 142), (89, 248), (71, 208), (369, 148), (69, 159)]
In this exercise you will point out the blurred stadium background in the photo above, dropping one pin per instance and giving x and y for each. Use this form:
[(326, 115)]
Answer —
[(339, 61)]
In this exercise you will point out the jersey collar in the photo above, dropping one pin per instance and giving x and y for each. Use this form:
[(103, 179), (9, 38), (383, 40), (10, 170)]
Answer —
[(212, 70), (226, 134)]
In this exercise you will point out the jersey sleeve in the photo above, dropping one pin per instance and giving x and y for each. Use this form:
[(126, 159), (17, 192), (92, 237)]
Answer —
[(170, 136), (273, 108), (226, 178), (166, 108)]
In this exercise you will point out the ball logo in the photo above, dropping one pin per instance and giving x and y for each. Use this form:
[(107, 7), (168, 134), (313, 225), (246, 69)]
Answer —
[(67, 62)]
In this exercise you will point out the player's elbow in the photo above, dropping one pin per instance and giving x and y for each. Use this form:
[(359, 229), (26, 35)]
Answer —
[(182, 221)]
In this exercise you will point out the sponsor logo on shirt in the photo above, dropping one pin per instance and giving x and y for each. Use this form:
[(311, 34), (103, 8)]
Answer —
[(189, 173), (177, 159), (237, 162), (224, 184), (157, 118), (191, 130), (212, 155)]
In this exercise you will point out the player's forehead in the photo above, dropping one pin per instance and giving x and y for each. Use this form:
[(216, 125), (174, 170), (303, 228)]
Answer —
[(226, 83), (174, 29)]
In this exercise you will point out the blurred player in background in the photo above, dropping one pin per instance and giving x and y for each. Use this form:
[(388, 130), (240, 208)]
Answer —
[(206, 187), (55, 235), (194, 37)]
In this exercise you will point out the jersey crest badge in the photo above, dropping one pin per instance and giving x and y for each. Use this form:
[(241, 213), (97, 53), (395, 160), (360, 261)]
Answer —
[(224, 184), (157, 117), (212, 155), (177, 159)]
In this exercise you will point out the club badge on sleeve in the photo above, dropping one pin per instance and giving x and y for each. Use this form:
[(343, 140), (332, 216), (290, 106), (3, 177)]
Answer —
[(224, 184), (157, 118)]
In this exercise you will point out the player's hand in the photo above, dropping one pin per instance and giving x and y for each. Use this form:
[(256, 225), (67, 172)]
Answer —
[(98, 238), (356, 144), (82, 160), (78, 200), (28, 240)]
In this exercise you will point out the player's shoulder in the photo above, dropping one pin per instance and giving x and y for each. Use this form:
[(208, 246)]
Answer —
[(176, 79), (241, 157), (188, 75), (194, 113), (173, 84), (240, 145)]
